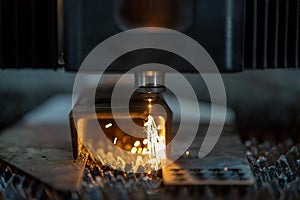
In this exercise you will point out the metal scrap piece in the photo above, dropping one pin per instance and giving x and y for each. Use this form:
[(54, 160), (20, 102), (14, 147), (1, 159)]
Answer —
[(40, 145)]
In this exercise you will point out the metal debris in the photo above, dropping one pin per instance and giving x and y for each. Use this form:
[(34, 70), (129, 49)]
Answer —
[(275, 166)]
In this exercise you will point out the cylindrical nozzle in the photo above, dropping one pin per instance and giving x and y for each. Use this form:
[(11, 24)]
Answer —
[(150, 82)]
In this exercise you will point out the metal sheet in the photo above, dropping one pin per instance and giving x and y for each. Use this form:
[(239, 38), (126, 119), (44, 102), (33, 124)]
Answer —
[(225, 165), (40, 145)]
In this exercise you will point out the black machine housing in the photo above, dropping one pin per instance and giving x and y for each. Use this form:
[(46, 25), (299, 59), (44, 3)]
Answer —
[(238, 34)]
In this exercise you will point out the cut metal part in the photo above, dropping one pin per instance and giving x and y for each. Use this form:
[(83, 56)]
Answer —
[(225, 165)]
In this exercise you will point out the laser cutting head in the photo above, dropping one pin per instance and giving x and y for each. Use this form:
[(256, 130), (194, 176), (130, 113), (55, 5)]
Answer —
[(150, 84)]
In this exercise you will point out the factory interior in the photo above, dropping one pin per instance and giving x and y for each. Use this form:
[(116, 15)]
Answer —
[(50, 149)]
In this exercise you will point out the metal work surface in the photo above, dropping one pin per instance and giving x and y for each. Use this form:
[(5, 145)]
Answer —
[(41, 146), (225, 165), (275, 178), (276, 167)]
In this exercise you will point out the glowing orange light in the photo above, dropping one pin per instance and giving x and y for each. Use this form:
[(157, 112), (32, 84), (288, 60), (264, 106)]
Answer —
[(145, 141), (140, 149), (187, 153), (134, 150), (108, 125), (137, 143)]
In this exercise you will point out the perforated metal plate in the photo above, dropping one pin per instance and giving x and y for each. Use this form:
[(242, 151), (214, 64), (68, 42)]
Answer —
[(225, 165)]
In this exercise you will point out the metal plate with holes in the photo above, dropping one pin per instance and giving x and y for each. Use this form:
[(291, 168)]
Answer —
[(225, 165)]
